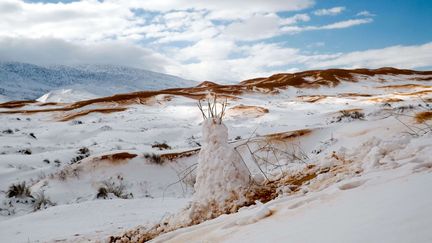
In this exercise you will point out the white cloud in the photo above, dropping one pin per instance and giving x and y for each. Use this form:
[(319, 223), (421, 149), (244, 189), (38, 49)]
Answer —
[(329, 11), (365, 14), (48, 51), (89, 20), (206, 49), (253, 60), (337, 25), (218, 39), (346, 23), (254, 28), (295, 19), (415, 56), (221, 9)]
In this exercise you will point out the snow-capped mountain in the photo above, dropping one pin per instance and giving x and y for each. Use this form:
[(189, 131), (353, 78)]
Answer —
[(28, 81)]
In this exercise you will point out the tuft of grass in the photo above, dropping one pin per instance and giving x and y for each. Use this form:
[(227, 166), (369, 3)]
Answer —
[(115, 187), (57, 163), (424, 116), (154, 158), (25, 151), (20, 190), (41, 201), (350, 115), (8, 131), (83, 153), (161, 146)]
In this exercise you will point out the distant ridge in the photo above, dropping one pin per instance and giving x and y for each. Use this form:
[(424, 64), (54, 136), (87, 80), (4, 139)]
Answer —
[(28, 81), (306, 79)]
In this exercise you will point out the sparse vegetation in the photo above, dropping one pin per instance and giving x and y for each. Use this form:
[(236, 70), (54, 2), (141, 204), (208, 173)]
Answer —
[(349, 115), (8, 131), (20, 190), (161, 146), (57, 163), (83, 153), (25, 151), (402, 109), (77, 122), (41, 201), (154, 158), (116, 187)]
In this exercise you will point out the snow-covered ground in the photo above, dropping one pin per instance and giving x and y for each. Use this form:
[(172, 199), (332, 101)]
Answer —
[(372, 184)]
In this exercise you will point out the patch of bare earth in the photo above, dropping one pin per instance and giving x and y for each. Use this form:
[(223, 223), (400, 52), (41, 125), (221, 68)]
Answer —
[(178, 155), (385, 100), (405, 86), (283, 136), (117, 157), (86, 112), (424, 116), (354, 95), (16, 104), (312, 98), (247, 111), (417, 93)]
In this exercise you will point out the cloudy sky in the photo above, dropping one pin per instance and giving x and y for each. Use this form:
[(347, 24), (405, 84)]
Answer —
[(220, 40)]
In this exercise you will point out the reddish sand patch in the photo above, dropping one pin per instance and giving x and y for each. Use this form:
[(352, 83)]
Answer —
[(86, 112), (117, 157), (312, 98), (354, 95), (247, 111), (405, 86), (422, 92), (386, 100), (50, 103), (16, 104), (283, 136), (184, 154), (424, 116)]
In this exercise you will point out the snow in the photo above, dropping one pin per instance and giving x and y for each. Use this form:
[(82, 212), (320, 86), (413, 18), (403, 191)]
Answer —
[(92, 219), (398, 210), (66, 96), (372, 184), (27, 81), (381, 205)]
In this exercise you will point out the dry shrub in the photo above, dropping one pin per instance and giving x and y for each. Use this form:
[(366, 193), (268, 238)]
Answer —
[(83, 153), (20, 190), (161, 146), (354, 114), (116, 187), (41, 201), (154, 158)]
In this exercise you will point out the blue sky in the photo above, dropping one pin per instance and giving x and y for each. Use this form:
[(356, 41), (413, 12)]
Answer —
[(219, 40)]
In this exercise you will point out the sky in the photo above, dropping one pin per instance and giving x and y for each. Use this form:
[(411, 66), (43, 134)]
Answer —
[(219, 40)]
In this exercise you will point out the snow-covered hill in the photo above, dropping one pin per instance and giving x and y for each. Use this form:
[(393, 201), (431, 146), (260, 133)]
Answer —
[(341, 155), (27, 81)]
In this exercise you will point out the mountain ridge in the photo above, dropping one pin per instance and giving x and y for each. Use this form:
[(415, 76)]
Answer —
[(29, 81)]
